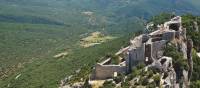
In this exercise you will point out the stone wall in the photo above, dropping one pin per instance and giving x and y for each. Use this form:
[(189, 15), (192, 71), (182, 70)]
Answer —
[(134, 56), (157, 48), (148, 54), (168, 36), (137, 41), (107, 71), (143, 47)]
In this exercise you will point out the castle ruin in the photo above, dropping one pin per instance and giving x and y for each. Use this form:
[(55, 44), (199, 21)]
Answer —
[(149, 48)]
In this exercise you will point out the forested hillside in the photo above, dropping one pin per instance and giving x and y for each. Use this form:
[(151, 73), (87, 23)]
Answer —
[(32, 32)]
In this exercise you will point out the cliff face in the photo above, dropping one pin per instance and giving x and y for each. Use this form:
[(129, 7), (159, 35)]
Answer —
[(177, 65), (166, 52)]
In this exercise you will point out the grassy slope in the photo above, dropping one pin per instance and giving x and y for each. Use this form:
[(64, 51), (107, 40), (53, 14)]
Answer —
[(22, 41), (48, 73), (38, 43), (36, 40)]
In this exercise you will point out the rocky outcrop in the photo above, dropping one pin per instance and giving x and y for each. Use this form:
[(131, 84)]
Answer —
[(196, 27), (189, 57), (149, 48)]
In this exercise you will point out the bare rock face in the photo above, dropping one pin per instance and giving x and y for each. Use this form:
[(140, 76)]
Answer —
[(189, 57), (149, 48), (184, 33), (196, 27)]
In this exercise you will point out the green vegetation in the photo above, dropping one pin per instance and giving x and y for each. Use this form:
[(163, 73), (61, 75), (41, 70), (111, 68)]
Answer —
[(143, 77), (156, 79), (94, 39), (196, 66), (179, 62), (108, 84), (125, 83), (195, 84), (135, 71), (115, 59), (188, 23), (160, 19), (32, 32), (119, 78), (48, 73), (86, 84)]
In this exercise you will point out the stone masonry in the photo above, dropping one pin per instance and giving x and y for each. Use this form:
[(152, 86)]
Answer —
[(148, 48)]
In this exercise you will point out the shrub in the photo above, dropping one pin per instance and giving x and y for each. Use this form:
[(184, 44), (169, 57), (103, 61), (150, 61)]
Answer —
[(144, 81), (86, 84), (195, 84), (125, 85), (119, 78), (157, 79), (196, 65), (140, 66), (108, 84), (151, 85), (115, 59), (150, 73), (178, 61)]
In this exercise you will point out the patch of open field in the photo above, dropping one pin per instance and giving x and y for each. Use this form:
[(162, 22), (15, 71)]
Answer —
[(95, 38)]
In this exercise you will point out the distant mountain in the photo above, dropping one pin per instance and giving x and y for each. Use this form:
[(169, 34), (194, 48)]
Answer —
[(126, 7), (114, 10)]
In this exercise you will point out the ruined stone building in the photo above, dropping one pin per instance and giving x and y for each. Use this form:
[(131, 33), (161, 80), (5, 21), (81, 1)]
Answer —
[(148, 48)]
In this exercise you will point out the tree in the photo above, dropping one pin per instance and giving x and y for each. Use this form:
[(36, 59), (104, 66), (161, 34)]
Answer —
[(108, 84), (195, 84)]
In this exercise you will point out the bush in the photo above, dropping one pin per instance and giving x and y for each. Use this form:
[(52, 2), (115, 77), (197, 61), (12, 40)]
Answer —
[(140, 66), (151, 85), (150, 73), (144, 81), (115, 59), (191, 33), (195, 84), (196, 65), (108, 84), (156, 79), (119, 78), (125, 84), (86, 84), (178, 61), (160, 19)]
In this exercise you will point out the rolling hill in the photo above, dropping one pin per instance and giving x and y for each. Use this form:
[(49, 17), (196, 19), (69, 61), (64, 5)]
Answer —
[(33, 31)]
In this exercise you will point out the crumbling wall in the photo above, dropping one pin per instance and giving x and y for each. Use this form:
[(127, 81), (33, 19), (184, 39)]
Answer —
[(148, 54), (107, 71), (137, 41), (168, 35), (145, 46), (137, 54), (157, 48), (134, 56)]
